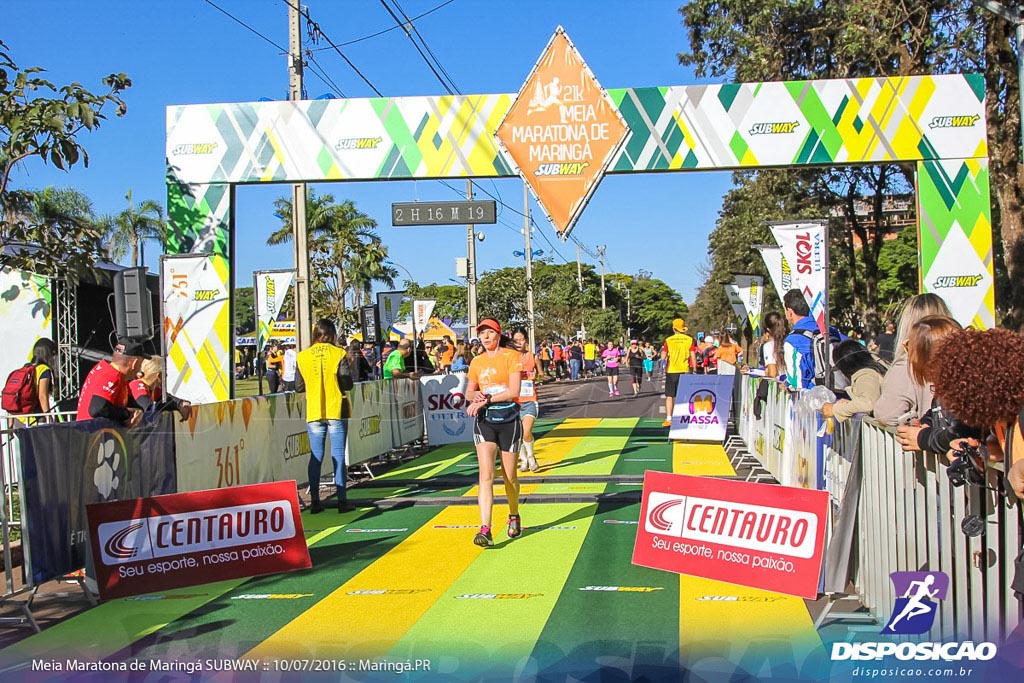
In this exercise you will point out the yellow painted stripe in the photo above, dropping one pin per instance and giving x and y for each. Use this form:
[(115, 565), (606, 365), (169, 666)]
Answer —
[(553, 448), (726, 620), (699, 459), (373, 623)]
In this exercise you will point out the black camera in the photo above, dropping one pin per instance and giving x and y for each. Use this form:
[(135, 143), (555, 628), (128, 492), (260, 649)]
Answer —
[(968, 467)]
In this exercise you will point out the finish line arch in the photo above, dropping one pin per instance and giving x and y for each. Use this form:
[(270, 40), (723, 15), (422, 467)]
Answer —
[(938, 122)]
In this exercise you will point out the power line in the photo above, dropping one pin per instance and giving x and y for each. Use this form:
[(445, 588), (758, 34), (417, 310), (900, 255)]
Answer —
[(426, 46), (322, 76), (239, 21), (450, 87), (316, 33), (387, 30)]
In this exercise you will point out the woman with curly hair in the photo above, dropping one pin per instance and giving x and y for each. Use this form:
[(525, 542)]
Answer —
[(987, 391), (902, 397), (939, 427)]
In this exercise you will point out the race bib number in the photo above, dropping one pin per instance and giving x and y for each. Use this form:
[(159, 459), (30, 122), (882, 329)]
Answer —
[(525, 388)]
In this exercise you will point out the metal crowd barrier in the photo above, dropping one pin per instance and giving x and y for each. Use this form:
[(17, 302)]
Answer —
[(909, 517), (11, 512)]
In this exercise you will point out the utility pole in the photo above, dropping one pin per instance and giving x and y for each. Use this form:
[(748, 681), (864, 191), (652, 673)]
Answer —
[(303, 327), (600, 251), (531, 334), (471, 266), (579, 266)]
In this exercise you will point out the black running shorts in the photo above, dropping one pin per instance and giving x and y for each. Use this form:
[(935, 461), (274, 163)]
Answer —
[(508, 435)]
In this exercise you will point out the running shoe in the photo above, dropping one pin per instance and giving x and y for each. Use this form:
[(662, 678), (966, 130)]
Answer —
[(515, 526), (483, 537), (666, 423), (532, 462), (616, 391), (611, 393)]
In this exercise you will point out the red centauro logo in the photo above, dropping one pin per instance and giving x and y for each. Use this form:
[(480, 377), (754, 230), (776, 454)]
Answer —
[(664, 513)]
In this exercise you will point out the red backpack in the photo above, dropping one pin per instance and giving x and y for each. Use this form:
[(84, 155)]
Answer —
[(20, 396)]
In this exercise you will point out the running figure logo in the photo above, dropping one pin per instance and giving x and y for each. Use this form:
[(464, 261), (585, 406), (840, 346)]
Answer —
[(914, 612)]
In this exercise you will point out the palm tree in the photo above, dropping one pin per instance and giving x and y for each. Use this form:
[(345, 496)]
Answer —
[(366, 267), (129, 230), (64, 208), (341, 248)]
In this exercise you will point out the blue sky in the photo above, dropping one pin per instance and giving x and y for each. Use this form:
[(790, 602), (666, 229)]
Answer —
[(188, 52)]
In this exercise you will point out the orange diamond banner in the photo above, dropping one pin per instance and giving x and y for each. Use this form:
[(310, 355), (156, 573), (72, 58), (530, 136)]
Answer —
[(562, 132)]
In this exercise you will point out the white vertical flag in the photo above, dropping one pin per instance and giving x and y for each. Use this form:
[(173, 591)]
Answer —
[(421, 312), (751, 293), (388, 304), (804, 245), (778, 268), (271, 287), (732, 291)]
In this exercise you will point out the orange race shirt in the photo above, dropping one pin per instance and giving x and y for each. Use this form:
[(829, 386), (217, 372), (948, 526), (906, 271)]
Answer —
[(729, 352), (492, 374), (527, 388)]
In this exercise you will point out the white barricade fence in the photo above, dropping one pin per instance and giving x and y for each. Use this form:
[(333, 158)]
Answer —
[(407, 425), (444, 408), (369, 430), (908, 518), (248, 440)]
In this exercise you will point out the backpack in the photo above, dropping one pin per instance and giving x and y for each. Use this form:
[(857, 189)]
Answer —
[(819, 348), (20, 396)]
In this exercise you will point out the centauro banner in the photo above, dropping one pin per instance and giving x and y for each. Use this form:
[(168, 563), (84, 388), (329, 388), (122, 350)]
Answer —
[(804, 245), (778, 268), (188, 539), (197, 336), (758, 535), (271, 289)]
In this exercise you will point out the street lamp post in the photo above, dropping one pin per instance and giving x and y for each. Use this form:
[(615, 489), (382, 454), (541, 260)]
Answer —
[(529, 289)]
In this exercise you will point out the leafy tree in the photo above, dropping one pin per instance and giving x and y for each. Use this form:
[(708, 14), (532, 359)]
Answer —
[(39, 120), (654, 306), (452, 300), (603, 324), (243, 301), (899, 261), (127, 232), (757, 198), (346, 254)]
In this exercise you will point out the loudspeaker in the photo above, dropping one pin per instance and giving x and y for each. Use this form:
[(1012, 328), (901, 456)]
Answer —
[(133, 308)]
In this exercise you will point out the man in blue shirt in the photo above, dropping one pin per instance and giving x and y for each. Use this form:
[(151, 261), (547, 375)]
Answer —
[(799, 353)]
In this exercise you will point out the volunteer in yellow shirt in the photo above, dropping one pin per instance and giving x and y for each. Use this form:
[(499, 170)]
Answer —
[(322, 371), (677, 350)]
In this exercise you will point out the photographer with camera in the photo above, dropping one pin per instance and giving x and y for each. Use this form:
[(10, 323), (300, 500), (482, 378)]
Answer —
[(987, 392)]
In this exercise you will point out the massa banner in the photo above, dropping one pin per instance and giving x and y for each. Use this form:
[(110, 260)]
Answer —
[(701, 411)]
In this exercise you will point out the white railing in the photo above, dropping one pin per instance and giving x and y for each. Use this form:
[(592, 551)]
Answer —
[(909, 516)]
